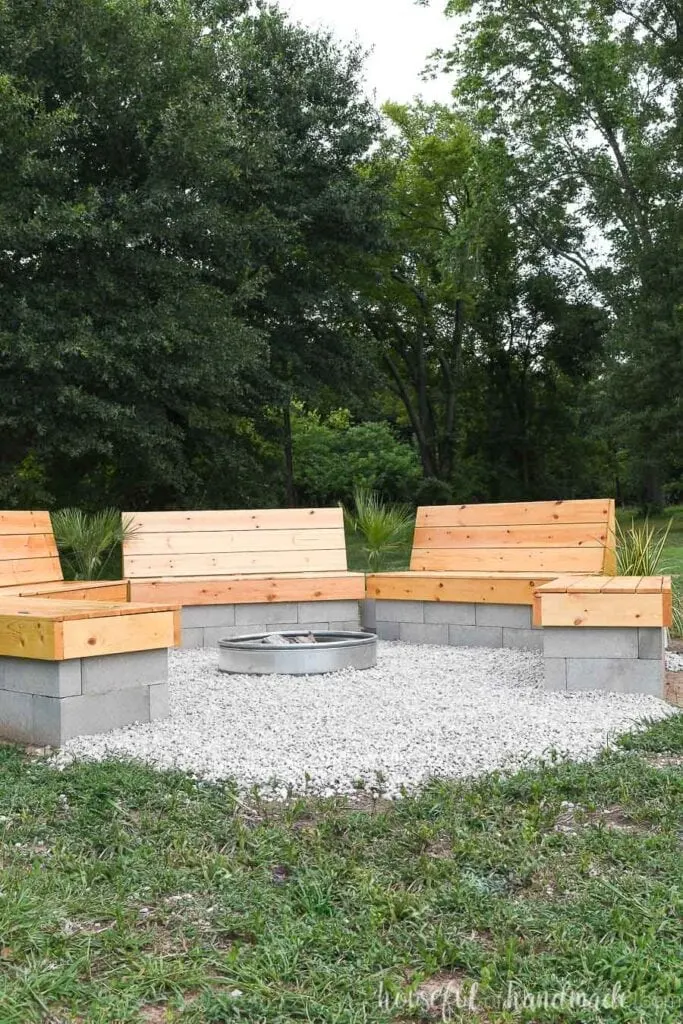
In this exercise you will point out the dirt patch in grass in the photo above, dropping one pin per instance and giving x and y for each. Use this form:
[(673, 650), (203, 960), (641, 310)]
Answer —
[(614, 818), (665, 760)]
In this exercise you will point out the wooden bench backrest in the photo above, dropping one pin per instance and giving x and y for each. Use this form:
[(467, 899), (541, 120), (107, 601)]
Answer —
[(542, 536), (235, 543), (28, 553)]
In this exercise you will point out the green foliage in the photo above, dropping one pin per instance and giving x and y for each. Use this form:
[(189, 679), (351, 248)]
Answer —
[(88, 540), (311, 909), (333, 456), (642, 550), (385, 530)]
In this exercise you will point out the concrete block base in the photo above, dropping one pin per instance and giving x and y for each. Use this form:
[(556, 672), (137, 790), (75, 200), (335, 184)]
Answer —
[(620, 660), (45, 703), (205, 625), (456, 624)]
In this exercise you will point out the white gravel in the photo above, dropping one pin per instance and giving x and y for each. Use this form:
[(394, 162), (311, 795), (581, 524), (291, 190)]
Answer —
[(422, 712), (674, 661)]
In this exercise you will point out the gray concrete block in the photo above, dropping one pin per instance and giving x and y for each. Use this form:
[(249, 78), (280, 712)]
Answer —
[(255, 614), (522, 639), (93, 713), (400, 611), (313, 626), (388, 630), (555, 670), (159, 701), (212, 634), (515, 615), (348, 626), (475, 636), (590, 642), (282, 627), (192, 638), (327, 610), (16, 717), (46, 678), (450, 612), (121, 671), (368, 614), (208, 615), (651, 643), (423, 633), (616, 674)]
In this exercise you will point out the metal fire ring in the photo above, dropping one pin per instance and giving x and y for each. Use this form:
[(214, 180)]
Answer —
[(332, 652)]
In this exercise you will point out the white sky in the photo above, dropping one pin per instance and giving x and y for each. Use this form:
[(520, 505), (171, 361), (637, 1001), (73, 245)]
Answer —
[(400, 34)]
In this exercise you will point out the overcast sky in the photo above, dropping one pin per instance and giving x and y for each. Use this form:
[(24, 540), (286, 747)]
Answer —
[(400, 34)]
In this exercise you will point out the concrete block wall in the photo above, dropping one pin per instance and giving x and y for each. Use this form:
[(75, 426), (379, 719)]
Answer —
[(205, 625), (48, 702), (456, 624), (621, 660)]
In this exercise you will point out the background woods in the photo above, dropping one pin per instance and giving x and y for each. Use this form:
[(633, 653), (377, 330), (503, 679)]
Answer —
[(226, 279)]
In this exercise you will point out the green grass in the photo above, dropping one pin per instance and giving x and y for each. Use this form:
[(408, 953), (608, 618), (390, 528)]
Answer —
[(128, 895)]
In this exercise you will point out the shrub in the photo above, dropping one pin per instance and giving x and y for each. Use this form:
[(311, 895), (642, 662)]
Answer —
[(385, 530), (640, 552), (87, 541)]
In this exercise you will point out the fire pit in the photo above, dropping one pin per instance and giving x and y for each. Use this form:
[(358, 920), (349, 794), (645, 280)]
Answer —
[(299, 653)]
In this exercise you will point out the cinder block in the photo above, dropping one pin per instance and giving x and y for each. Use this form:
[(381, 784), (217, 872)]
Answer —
[(616, 675), (120, 671), (515, 615), (312, 626), (327, 610), (283, 627), (347, 626), (555, 670), (46, 678), (651, 642), (423, 633), (208, 615), (159, 701), (259, 614), (192, 638), (368, 614), (523, 639), (16, 717), (450, 612), (475, 636), (400, 611), (595, 642), (93, 713), (388, 630), (212, 634)]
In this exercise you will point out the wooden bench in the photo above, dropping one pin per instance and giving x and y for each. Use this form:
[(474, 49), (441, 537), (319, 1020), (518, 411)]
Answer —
[(75, 658), (242, 571), (605, 632), (489, 560), (30, 566)]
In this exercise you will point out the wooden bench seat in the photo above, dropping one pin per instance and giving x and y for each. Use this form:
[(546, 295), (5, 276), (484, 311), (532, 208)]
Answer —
[(500, 553), (605, 601), (240, 557), (30, 566)]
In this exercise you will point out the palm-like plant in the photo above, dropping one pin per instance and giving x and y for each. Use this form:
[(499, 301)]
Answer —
[(385, 529), (87, 540), (640, 552)]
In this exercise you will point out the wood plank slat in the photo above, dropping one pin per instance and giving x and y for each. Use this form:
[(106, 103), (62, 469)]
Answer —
[(587, 584), (454, 587), (20, 522), (118, 634), (30, 570), (592, 610), (62, 610), (559, 560), (26, 545), (652, 584), (87, 591), (623, 585), (521, 536), (236, 519), (562, 583), (535, 513), (239, 541), (238, 562), (29, 637), (250, 590)]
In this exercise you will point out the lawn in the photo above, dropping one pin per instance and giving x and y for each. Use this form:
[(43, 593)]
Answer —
[(129, 895)]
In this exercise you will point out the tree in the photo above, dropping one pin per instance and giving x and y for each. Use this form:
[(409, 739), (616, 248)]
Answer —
[(175, 175), (586, 96)]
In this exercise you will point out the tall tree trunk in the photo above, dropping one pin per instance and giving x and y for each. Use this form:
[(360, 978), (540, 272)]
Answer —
[(288, 449)]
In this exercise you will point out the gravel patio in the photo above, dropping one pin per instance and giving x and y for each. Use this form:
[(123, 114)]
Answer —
[(422, 712)]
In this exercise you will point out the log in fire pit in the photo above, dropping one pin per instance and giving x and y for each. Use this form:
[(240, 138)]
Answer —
[(299, 653)]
